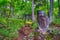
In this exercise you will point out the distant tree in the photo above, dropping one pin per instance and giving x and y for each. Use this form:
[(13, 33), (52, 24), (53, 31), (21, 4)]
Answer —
[(59, 8), (47, 4), (11, 9), (33, 18), (51, 10), (4, 10)]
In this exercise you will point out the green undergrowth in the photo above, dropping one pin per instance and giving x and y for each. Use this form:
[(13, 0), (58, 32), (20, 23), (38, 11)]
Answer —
[(56, 21), (10, 26)]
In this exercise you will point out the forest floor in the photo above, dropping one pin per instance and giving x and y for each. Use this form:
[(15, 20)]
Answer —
[(55, 26), (52, 27)]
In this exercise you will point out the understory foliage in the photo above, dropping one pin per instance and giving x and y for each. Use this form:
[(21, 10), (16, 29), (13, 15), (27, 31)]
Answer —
[(10, 26)]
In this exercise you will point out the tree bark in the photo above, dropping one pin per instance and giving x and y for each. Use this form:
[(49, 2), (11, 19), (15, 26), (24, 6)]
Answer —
[(51, 11), (33, 18)]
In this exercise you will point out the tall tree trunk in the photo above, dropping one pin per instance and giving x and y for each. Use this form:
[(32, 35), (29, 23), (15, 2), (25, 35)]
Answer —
[(33, 18), (47, 4), (5, 10), (47, 7), (59, 8), (0, 12), (11, 9), (51, 10)]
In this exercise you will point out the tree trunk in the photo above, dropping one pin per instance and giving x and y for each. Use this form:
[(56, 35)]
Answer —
[(0, 12), (47, 4), (59, 8), (5, 10), (51, 11), (11, 10), (33, 18)]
